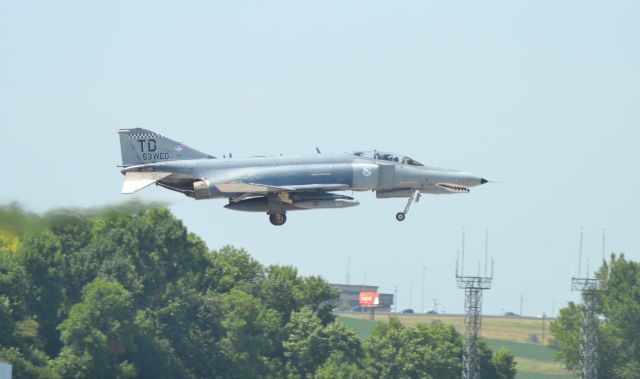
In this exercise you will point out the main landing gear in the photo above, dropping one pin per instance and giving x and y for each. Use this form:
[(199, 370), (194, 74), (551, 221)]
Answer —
[(278, 219), (415, 197)]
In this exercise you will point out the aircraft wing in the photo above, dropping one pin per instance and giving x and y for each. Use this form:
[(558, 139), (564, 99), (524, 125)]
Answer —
[(251, 188), (135, 181)]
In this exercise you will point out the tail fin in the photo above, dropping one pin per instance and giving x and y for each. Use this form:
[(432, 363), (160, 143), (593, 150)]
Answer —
[(140, 146)]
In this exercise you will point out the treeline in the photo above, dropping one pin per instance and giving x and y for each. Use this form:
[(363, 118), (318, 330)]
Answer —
[(617, 308), (117, 293)]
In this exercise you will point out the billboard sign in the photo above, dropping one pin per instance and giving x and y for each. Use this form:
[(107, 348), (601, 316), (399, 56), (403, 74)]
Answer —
[(386, 300), (369, 299)]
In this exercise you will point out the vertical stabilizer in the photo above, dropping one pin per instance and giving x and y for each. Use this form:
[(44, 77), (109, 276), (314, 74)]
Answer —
[(140, 146)]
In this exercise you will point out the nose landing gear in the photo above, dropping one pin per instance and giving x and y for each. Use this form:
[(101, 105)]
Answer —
[(415, 197)]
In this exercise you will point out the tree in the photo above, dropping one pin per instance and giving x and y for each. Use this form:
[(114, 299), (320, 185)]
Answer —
[(338, 366), (230, 267), (310, 344), (387, 349), (180, 338), (250, 329), (123, 293), (504, 364), (566, 331), (40, 261), (98, 333), (619, 333), (427, 351), (316, 293), (27, 366)]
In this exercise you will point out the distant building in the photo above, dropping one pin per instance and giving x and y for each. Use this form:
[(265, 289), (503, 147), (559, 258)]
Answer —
[(5, 370), (350, 296)]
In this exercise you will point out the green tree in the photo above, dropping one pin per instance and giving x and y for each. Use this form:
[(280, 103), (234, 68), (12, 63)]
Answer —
[(316, 293), (188, 327), (147, 252), (310, 344), (98, 334), (338, 366), (232, 268), (427, 351), (395, 351), (32, 365), (126, 293), (566, 331), (504, 364), (384, 350), (619, 333), (250, 329), (41, 262)]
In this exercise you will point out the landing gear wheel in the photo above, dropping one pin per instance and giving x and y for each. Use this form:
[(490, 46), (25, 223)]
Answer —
[(278, 219), (415, 196)]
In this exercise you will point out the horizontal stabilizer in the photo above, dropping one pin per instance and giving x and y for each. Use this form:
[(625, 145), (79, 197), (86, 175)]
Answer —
[(135, 181)]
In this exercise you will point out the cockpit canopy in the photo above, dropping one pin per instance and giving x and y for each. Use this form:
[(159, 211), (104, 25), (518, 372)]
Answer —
[(386, 156)]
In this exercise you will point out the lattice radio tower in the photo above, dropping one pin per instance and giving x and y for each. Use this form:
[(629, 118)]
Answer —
[(589, 328), (473, 287)]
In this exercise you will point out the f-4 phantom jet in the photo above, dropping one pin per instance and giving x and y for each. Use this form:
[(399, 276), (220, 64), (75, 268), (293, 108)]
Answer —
[(276, 185)]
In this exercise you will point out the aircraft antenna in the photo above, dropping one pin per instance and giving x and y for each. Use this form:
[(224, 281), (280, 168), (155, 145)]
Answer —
[(580, 253), (462, 268), (318, 150), (486, 250)]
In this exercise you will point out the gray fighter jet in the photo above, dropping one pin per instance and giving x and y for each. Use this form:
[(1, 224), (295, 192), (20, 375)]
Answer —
[(276, 185)]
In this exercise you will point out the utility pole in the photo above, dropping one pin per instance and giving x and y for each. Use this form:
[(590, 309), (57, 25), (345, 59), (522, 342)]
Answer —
[(424, 269), (348, 270), (521, 301), (411, 295), (473, 287), (543, 326), (395, 299), (604, 242)]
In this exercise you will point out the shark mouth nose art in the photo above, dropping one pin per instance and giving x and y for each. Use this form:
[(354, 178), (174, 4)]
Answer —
[(453, 187)]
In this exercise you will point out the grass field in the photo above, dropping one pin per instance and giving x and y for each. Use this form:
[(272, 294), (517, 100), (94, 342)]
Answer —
[(533, 360)]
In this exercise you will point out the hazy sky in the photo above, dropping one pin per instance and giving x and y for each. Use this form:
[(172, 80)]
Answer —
[(543, 96)]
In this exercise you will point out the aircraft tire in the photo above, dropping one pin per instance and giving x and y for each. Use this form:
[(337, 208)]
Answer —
[(278, 219), (400, 216)]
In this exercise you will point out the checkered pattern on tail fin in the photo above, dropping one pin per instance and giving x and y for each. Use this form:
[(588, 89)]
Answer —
[(140, 146)]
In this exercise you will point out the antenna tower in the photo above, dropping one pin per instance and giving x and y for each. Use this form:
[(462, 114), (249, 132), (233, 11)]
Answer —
[(588, 287), (473, 287)]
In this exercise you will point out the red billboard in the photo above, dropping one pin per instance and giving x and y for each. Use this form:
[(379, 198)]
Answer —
[(369, 299)]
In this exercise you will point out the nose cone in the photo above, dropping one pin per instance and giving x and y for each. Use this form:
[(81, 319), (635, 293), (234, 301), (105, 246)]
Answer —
[(471, 180)]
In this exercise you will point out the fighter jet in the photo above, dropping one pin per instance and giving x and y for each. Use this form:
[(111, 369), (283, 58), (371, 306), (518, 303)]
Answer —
[(279, 184)]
